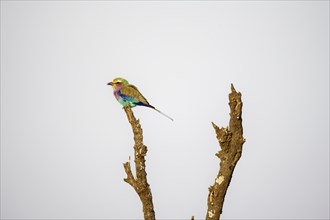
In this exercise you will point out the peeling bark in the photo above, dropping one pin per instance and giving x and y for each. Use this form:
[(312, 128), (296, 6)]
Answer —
[(139, 183), (231, 141)]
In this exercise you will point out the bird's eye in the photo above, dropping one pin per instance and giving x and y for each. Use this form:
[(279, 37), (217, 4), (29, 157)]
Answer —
[(117, 83)]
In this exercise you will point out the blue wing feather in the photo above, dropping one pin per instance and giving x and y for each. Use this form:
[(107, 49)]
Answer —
[(128, 100)]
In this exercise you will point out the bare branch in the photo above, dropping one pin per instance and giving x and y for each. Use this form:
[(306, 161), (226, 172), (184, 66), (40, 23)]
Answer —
[(139, 183), (231, 141)]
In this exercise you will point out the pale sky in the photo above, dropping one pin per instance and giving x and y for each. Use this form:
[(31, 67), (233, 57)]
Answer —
[(64, 137)]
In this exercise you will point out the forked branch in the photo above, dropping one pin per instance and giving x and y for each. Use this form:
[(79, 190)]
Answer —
[(231, 141), (139, 183)]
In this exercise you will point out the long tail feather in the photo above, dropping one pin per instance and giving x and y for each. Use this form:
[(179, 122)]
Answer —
[(164, 114)]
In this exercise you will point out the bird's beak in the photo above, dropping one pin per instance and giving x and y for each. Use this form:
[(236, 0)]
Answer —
[(110, 83)]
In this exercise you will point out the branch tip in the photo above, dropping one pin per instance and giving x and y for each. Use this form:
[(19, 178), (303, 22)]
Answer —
[(232, 88), (215, 126)]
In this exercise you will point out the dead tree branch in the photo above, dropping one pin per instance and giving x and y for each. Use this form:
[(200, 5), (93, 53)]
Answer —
[(231, 141), (139, 183)]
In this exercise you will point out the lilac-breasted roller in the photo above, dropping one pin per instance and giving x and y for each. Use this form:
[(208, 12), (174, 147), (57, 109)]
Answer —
[(128, 95)]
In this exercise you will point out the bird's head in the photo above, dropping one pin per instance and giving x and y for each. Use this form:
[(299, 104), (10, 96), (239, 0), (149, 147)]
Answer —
[(117, 83)]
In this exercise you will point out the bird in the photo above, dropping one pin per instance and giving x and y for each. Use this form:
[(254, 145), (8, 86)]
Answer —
[(128, 95)]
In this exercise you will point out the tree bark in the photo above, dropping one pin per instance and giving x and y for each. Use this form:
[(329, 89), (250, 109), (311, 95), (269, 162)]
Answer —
[(139, 183), (231, 141)]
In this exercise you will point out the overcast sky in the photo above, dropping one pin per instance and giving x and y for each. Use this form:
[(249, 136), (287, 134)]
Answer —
[(64, 137)]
